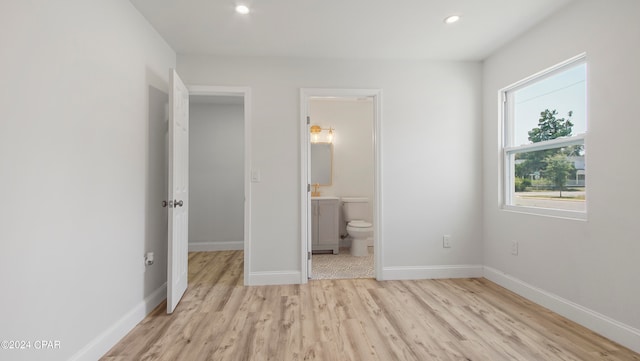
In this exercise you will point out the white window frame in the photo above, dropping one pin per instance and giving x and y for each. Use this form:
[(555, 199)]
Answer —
[(509, 150)]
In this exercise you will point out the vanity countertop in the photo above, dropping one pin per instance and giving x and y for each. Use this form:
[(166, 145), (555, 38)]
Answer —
[(326, 197)]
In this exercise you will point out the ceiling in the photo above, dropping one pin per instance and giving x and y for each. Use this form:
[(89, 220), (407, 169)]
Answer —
[(350, 29)]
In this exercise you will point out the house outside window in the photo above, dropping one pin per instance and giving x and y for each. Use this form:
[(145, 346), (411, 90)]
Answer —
[(544, 142)]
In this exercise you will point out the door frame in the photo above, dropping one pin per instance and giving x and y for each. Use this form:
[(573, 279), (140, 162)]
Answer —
[(305, 195), (245, 92)]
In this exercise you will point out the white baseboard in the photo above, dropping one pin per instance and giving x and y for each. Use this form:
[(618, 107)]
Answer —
[(431, 272), (100, 345), (215, 246), (274, 278), (605, 326)]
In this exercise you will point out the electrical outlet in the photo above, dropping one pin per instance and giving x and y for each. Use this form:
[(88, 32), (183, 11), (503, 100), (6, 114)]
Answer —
[(148, 259), (446, 241), (514, 248)]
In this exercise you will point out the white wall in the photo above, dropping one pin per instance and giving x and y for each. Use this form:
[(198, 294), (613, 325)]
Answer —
[(589, 264), (76, 133), (216, 176), (431, 154)]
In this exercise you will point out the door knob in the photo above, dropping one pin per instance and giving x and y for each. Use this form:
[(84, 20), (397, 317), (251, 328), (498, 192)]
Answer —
[(178, 203), (164, 204)]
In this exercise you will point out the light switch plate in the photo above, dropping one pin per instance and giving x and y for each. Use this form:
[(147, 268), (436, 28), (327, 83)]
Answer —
[(446, 241), (255, 176)]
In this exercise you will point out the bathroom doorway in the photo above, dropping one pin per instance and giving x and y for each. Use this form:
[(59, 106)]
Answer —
[(343, 127)]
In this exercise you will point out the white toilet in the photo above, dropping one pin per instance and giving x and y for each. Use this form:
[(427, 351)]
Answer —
[(356, 211)]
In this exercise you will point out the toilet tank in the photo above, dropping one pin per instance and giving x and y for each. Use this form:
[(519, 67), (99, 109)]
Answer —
[(355, 208)]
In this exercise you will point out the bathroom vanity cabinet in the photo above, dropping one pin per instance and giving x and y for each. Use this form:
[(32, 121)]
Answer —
[(325, 234)]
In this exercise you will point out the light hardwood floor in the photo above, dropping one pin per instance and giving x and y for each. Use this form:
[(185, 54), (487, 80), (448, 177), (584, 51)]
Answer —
[(360, 319)]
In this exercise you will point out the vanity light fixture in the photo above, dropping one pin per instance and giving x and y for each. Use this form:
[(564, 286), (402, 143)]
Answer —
[(315, 133), (242, 9), (452, 19), (317, 136)]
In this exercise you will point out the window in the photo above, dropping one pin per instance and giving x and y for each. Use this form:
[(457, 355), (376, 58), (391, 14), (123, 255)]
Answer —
[(544, 127)]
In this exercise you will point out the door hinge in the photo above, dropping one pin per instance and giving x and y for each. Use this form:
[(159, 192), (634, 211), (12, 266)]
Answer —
[(308, 187), (309, 256), (308, 120)]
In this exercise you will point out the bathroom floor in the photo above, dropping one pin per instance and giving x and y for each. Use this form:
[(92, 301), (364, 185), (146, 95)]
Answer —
[(342, 265)]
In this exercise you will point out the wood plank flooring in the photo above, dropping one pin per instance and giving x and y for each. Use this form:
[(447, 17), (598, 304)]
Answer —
[(360, 319)]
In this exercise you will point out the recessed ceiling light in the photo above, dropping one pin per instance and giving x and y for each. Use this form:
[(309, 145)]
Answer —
[(242, 9), (452, 19)]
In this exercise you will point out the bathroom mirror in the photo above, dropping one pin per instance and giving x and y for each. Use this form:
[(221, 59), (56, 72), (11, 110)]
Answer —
[(321, 163)]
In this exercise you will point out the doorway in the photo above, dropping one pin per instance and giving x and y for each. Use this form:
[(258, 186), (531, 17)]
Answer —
[(219, 166), (347, 123)]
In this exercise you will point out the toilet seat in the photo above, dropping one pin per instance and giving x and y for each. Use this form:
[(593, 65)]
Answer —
[(359, 224)]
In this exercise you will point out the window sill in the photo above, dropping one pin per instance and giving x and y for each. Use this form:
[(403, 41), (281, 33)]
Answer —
[(547, 212)]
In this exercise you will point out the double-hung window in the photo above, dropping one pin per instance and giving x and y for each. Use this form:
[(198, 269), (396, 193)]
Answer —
[(544, 132)]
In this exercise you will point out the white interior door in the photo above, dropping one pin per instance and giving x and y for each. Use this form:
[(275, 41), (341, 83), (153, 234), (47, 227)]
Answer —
[(178, 230), (309, 223)]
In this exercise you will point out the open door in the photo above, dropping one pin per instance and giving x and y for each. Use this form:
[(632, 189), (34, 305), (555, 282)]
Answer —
[(309, 206), (178, 230)]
